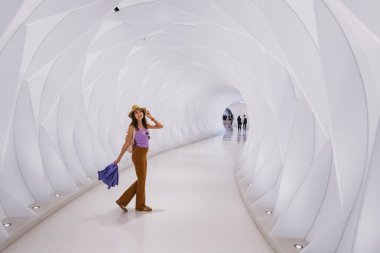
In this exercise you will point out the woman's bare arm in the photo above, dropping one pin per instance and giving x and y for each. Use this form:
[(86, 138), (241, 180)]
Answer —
[(127, 143), (157, 124)]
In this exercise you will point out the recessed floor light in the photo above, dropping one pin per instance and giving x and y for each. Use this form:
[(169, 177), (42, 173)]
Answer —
[(57, 195), (249, 184), (36, 207), (7, 224), (298, 246), (268, 212)]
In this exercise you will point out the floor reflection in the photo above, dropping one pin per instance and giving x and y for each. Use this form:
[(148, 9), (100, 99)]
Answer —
[(228, 134), (232, 134)]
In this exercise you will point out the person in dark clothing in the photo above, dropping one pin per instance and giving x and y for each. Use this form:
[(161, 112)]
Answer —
[(239, 123), (245, 121)]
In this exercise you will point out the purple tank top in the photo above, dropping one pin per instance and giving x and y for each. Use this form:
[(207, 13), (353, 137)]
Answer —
[(142, 138)]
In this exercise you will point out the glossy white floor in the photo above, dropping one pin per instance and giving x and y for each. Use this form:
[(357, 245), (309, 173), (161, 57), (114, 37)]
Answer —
[(197, 208)]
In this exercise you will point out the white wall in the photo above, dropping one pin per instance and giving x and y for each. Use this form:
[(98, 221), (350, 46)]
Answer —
[(307, 70)]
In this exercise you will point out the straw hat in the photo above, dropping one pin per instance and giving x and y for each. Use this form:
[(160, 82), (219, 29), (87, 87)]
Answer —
[(135, 108)]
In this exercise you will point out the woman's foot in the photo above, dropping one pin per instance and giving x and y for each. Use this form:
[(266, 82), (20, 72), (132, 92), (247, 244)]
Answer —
[(121, 206), (144, 209)]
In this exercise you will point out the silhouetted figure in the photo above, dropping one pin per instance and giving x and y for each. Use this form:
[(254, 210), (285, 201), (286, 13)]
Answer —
[(225, 121), (239, 123), (245, 121)]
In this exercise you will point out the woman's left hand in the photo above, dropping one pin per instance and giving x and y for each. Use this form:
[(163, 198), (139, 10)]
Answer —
[(148, 114)]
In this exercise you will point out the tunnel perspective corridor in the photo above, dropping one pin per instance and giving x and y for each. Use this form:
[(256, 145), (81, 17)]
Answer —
[(306, 168)]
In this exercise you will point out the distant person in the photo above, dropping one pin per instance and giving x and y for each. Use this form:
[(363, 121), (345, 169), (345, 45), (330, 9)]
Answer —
[(225, 121), (245, 121), (239, 123), (230, 119)]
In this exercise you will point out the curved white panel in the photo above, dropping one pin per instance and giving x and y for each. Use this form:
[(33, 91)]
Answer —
[(55, 169), (301, 52), (83, 146), (11, 177), (296, 167), (367, 232), (11, 205), (284, 102), (366, 12), (65, 32), (265, 179), (10, 60), (307, 72), (303, 209), (52, 7), (348, 106), (28, 154)]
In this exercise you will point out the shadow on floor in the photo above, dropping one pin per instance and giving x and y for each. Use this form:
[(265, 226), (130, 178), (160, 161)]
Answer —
[(117, 217)]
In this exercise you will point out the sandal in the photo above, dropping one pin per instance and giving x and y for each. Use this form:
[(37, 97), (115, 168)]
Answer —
[(121, 206)]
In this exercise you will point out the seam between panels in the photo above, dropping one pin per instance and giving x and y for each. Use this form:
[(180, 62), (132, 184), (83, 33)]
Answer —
[(20, 26), (265, 235), (18, 88), (267, 158), (301, 184), (324, 196), (54, 27), (16, 98), (302, 23), (367, 133), (286, 155)]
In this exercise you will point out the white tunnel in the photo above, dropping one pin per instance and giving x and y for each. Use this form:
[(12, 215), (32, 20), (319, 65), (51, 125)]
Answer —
[(307, 70)]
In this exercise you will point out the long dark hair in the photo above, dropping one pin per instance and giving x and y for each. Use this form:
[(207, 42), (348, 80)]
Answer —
[(135, 123)]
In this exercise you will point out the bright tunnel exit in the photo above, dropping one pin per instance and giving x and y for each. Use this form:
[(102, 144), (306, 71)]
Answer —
[(307, 72)]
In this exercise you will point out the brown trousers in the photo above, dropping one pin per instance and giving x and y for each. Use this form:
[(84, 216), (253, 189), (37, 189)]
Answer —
[(138, 187)]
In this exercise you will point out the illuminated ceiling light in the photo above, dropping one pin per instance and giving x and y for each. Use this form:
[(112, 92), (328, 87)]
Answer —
[(57, 195), (298, 246), (36, 207), (268, 212), (7, 224), (250, 184)]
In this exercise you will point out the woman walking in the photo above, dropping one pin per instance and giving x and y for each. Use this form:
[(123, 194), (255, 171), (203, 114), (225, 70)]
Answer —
[(138, 135)]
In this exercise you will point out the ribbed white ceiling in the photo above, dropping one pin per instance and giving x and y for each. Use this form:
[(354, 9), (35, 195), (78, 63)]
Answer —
[(308, 71)]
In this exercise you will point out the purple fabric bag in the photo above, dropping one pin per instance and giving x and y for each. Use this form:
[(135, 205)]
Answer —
[(110, 175)]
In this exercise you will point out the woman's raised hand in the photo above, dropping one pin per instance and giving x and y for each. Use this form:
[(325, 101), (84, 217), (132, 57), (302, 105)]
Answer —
[(148, 114)]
